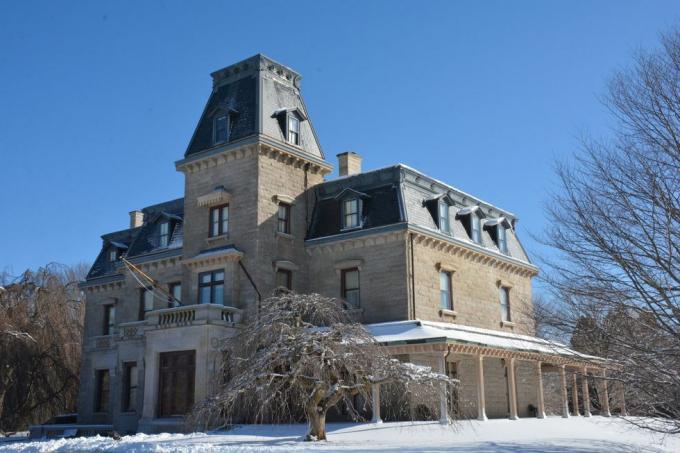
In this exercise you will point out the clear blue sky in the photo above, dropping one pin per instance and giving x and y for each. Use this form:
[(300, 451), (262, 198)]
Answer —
[(98, 99)]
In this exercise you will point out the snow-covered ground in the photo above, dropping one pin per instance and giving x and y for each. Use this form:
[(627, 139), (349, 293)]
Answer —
[(552, 435)]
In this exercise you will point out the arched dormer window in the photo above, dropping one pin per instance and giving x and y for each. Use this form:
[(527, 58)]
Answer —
[(498, 230), (470, 217)]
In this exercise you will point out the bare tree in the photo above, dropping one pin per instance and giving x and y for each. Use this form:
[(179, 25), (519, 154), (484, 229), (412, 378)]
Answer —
[(616, 225), (41, 316), (300, 357)]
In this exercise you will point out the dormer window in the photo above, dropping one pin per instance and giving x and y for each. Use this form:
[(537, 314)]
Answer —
[(498, 230), (350, 213), (502, 240), (164, 234), (470, 218), (113, 255), (221, 129), (293, 129)]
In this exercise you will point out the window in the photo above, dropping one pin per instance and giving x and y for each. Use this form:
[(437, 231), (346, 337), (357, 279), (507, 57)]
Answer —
[(130, 376), (293, 130), (175, 299), (101, 403), (444, 224), (211, 287), (445, 293), (145, 302), (350, 213), (284, 278), (505, 303), (220, 129), (219, 220), (176, 382), (109, 319), (113, 255), (475, 225), (502, 238), (164, 236), (350, 286), (284, 218)]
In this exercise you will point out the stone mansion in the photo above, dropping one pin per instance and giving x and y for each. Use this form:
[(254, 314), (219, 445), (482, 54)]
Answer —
[(438, 275)]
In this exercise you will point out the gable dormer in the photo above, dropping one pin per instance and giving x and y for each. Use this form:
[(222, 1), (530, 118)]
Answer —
[(256, 97), (471, 218)]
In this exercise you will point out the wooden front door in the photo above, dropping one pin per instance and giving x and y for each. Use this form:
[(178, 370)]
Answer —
[(176, 383)]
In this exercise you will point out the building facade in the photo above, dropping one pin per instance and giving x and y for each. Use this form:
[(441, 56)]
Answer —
[(413, 257)]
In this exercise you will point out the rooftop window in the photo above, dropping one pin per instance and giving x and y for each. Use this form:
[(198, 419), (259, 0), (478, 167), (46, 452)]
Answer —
[(293, 129), (221, 129), (351, 213), (164, 236)]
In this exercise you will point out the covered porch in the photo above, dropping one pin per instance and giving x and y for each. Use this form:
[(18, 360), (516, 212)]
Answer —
[(501, 374)]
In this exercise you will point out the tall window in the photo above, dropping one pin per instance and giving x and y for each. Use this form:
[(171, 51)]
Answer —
[(176, 295), (445, 293), (444, 224), (475, 227), (502, 238), (293, 130), (113, 255), (505, 303), (219, 220), (350, 286), (130, 377), (283, 225), (164, 236), (284, 278), (145, 302), (109, 319), (221, 129), (211, 287), (101, 403), (350, 213)]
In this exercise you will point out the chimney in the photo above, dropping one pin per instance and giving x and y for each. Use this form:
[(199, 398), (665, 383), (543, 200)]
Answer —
[(136, 218), (349, 163)]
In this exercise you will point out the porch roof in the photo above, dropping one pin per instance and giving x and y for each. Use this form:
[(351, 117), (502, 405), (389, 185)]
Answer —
[(419, 332)]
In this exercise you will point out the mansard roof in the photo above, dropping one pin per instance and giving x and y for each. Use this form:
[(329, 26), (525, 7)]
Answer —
[(256, 92), (139, 242), (398, 197)]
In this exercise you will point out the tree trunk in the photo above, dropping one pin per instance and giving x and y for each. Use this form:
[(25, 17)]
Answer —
[(316, 417)]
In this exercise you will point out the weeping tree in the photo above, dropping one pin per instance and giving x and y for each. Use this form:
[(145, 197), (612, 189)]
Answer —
[(41, 320), (615, 222), (302, 356)]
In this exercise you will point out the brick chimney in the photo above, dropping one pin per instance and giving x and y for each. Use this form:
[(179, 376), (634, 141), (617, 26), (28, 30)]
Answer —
[(349, 163), (136, 218)]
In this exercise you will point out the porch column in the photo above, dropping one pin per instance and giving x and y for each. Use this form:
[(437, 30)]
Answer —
[(565, 399), (481, 400), (586, 394), (605, 395), (375, 397), (540, 413), (512, 389), (443, 400), (574, 396), (623, 401)]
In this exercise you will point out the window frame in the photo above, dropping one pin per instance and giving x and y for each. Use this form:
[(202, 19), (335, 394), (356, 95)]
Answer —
[(102, 397), (501, 232), (444, 220), (344, 289), (142, 301), (227, 130), (164, 238), (221, 223), (292, 136), (171, 290), (289, 278), (448, 275), (285, 221), (211, 284), (113, 253), (129, 403), (345, 214), (109, 316), (504, 299)]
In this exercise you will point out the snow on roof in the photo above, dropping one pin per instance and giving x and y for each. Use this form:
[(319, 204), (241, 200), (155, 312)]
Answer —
[(422, 331)]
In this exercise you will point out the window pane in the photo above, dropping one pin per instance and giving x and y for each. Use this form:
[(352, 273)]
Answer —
[(204, 295), (148, 300), (218, 294), (283, 278), (221, 124), (218, 276), (352, 297), (444, 281), (351, 280), (177, 292), (205, 278)]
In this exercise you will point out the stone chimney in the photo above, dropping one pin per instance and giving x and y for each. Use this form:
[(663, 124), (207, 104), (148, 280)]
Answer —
[(136, 218), (349, 163)]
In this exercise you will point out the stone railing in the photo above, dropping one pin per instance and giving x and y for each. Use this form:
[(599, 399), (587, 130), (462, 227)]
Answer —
[(193, 315)]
